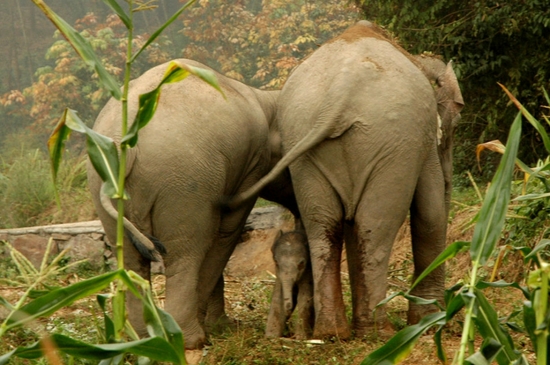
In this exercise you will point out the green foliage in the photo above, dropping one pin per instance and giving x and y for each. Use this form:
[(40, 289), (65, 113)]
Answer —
[(490, 41)]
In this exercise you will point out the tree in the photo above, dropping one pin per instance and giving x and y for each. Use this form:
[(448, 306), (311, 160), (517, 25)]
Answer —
[(260, 42)]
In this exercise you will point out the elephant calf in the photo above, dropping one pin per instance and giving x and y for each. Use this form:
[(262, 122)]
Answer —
[(293, 287)]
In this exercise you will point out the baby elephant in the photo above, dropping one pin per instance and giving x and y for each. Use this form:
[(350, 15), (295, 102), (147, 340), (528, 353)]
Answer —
[(293, 287)]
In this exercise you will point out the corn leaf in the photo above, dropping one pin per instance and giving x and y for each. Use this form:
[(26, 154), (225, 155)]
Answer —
[(493, 211), (486, 320), (534, 122), (530, 321), (155, 348), (439, 345), (148, 102), (102, 150), (83, 48), (62, 297), (161, 324), (399, 346), (161, 29), (539, 247), (451, 251), (109, 324), (503, 284), (454, 306), (120, 12), (485, 356)]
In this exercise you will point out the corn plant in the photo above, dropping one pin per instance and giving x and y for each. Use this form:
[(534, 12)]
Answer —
[(479, 314), (166, 340)]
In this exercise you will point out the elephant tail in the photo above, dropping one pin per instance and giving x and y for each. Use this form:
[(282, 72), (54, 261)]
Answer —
[(149, 247), (313, 138)]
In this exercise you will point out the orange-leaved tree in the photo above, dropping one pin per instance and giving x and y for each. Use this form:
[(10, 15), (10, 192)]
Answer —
[(260, 42)]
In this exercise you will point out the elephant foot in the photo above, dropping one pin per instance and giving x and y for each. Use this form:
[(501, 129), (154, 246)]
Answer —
[(417, 312), (325, 328), (194, 340), (193, 357), (381, 330), (220, 325)]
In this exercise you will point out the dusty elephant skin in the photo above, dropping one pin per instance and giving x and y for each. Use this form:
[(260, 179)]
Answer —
[(359, 127), (198, 148), (293, 287)]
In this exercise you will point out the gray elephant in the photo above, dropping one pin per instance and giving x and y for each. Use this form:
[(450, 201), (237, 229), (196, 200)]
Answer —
[(359, 126), (198, 148), (293, 289)]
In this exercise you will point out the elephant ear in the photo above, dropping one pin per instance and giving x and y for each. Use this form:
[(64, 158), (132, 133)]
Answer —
[(450, 103), (449, 92)]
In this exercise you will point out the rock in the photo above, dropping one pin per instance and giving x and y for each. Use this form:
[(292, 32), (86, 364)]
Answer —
[(61, 237), (33, 247), (85, 247)]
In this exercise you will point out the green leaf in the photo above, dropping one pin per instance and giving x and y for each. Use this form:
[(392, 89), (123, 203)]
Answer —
[(120, 12), (103, 155), (109, 324), (539, 247), (493, 211), (148, 102), (454, 306), (439, 346), (534, 122), (83, 48), (530, 321), (155, 348), (489, 350), (59, 298), (6, 304), (422, 301), (451, 251), (489, 327), (7, 357), (101, 150), (400, 345), (56, 143), (161, 29), (389, 298), (161, 324), (503, 284)]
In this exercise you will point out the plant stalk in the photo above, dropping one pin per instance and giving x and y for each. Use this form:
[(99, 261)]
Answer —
[(468, 317), (541, 303), (120, 297)]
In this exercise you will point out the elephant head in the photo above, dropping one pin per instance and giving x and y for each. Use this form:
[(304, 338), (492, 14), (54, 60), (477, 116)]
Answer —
[(449, 104)]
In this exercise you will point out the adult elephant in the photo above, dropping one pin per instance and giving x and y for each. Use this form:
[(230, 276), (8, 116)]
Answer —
[(359, 127), (198, 148)]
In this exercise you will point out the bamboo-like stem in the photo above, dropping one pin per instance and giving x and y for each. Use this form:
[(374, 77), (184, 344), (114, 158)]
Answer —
[(541, 306), (120, 297), (468, 317)]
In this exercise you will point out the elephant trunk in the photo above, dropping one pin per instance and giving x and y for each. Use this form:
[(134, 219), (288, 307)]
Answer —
[(288, 298)]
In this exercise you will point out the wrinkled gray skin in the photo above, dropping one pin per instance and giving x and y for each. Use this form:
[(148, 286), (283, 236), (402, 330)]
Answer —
[(359, 125), (197, 149), (293, 287)]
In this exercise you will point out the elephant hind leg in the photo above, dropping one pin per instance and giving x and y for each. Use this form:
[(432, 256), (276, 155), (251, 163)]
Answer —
[(428, 235), (325, 236), (369, 240)]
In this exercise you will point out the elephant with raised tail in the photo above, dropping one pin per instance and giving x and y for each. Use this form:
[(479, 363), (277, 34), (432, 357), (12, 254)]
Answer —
[(198, 148), (365, 145)]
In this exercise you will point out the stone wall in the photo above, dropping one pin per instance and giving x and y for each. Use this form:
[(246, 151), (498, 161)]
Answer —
[(87, 240)]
